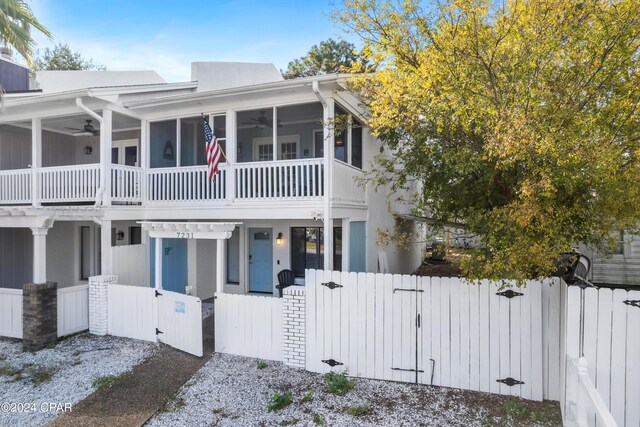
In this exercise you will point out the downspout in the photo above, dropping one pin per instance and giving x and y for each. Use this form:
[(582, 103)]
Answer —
[(328, 176), (103, 142)]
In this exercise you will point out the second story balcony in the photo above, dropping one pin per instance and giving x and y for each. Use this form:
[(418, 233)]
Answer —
[(130, 185)]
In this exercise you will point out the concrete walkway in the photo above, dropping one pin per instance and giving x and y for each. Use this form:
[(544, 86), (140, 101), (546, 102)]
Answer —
[(134, 399)]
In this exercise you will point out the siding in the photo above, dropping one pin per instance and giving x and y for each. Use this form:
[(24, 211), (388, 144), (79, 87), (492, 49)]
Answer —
[(13, 77), (16, 249)]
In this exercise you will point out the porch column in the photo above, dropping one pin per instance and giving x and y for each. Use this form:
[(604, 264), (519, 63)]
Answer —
[(105, 247), (143, 161), (328, 116), (221, 254), (36, 159), (39, 254), (158, 266), (232, 154), (105, 157)]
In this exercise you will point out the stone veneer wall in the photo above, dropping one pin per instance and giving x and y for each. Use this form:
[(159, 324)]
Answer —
[(294, 325), (39, 315)]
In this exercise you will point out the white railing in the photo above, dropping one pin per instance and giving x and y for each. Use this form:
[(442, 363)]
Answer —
[(185, 184), (126, 183), (77, 183), (346, 186), (583, 400), (285, 179), (15, 186)]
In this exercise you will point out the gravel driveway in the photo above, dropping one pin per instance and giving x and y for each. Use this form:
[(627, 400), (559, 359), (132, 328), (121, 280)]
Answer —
[(232, 391), (63, 374)]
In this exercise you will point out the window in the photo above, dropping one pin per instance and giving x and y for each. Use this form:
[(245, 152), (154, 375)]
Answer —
[(219, 127), (85, 252), (356, 144), (618, 238), (163, 143), (340, 138), (289, 150), (233, 257), (135, 235), (307, 249), (192, 152)]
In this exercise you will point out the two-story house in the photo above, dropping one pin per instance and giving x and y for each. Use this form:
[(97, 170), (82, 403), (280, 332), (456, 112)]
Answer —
[(90, 154)]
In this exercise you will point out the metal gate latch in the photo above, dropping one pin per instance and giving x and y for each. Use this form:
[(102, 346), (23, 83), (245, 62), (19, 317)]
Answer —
[(509, 293), (332, 362), (510, 381), (632, 302), (158, 294), (158, 331), (332, 285)]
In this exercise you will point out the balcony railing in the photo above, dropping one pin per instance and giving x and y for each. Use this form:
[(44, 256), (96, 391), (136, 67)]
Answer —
[(15, 187), (255, 181)]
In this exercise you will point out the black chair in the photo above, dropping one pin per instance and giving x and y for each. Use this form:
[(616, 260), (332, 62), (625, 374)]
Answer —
[(286, 278)]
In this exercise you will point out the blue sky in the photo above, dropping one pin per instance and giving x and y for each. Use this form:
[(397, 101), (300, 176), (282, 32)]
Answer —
[(166, 36)]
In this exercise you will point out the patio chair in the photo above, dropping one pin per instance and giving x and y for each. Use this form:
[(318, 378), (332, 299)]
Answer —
[(286, 278)]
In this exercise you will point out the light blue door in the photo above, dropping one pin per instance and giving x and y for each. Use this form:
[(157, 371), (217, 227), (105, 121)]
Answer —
[(260, 260), (174, 264)]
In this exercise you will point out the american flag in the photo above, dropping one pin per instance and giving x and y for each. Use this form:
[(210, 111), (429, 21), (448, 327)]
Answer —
[(212, 150)]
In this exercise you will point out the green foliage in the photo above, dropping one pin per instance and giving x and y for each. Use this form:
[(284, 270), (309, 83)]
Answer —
[(521, 412), (109, 380), (308, 397), (318, 419), (8, 370), (328, 57), (61, 57), (172, 405), (40, 374), (262, 365), (519, 119), (338, 383), (291, 422), (359, 410), (52, 345), (16, 21), (279, 401)]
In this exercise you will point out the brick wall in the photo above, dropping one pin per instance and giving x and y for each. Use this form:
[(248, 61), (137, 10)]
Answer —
[(294, 324), (98, 303), (39, 315)]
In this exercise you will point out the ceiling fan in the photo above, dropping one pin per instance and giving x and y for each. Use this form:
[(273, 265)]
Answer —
[(88, 128), (262, 122)]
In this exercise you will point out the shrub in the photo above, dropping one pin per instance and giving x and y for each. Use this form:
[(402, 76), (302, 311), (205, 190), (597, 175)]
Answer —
[(358, 411), (308, 397), (279, 401), (338, 383), (40, 374), (318, 419), (262, 365)]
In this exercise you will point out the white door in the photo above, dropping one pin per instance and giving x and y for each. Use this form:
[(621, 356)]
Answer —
[(180, 321), (125, 152)]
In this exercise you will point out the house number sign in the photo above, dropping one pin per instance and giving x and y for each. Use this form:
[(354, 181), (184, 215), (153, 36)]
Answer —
[(184, 235)]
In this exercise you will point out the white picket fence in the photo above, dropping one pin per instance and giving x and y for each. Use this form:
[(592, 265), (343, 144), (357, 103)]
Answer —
[(72, 311), (249, 325), (453, 333), (11, 313), (127, 264), (611, 349), (584, 400)]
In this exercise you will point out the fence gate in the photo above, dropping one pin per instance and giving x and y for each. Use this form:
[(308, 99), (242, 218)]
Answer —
[(440, 331), (156, 315)]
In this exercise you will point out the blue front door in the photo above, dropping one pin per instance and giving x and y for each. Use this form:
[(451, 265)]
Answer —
[(174, 264), (260, 260)]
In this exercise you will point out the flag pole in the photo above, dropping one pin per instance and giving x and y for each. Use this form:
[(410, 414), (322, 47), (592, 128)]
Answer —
[(221, 150)]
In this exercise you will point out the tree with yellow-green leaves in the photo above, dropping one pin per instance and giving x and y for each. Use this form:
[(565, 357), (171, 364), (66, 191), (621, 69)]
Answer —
[(519, 119)]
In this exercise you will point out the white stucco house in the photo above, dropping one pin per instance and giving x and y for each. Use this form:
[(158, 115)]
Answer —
[(86, 156)]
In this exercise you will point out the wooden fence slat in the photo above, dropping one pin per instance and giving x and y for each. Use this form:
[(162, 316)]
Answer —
[(633, 363), (618, 357)]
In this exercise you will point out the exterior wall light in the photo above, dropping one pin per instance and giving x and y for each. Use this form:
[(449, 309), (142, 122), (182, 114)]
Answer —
[(88, 150), (279, 239), (120, 235)]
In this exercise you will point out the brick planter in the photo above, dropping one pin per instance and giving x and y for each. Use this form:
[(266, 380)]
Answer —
[(39, 315)]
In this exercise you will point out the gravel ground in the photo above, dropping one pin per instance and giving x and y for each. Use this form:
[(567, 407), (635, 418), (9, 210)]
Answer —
[(231, 391), (67, 372)]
